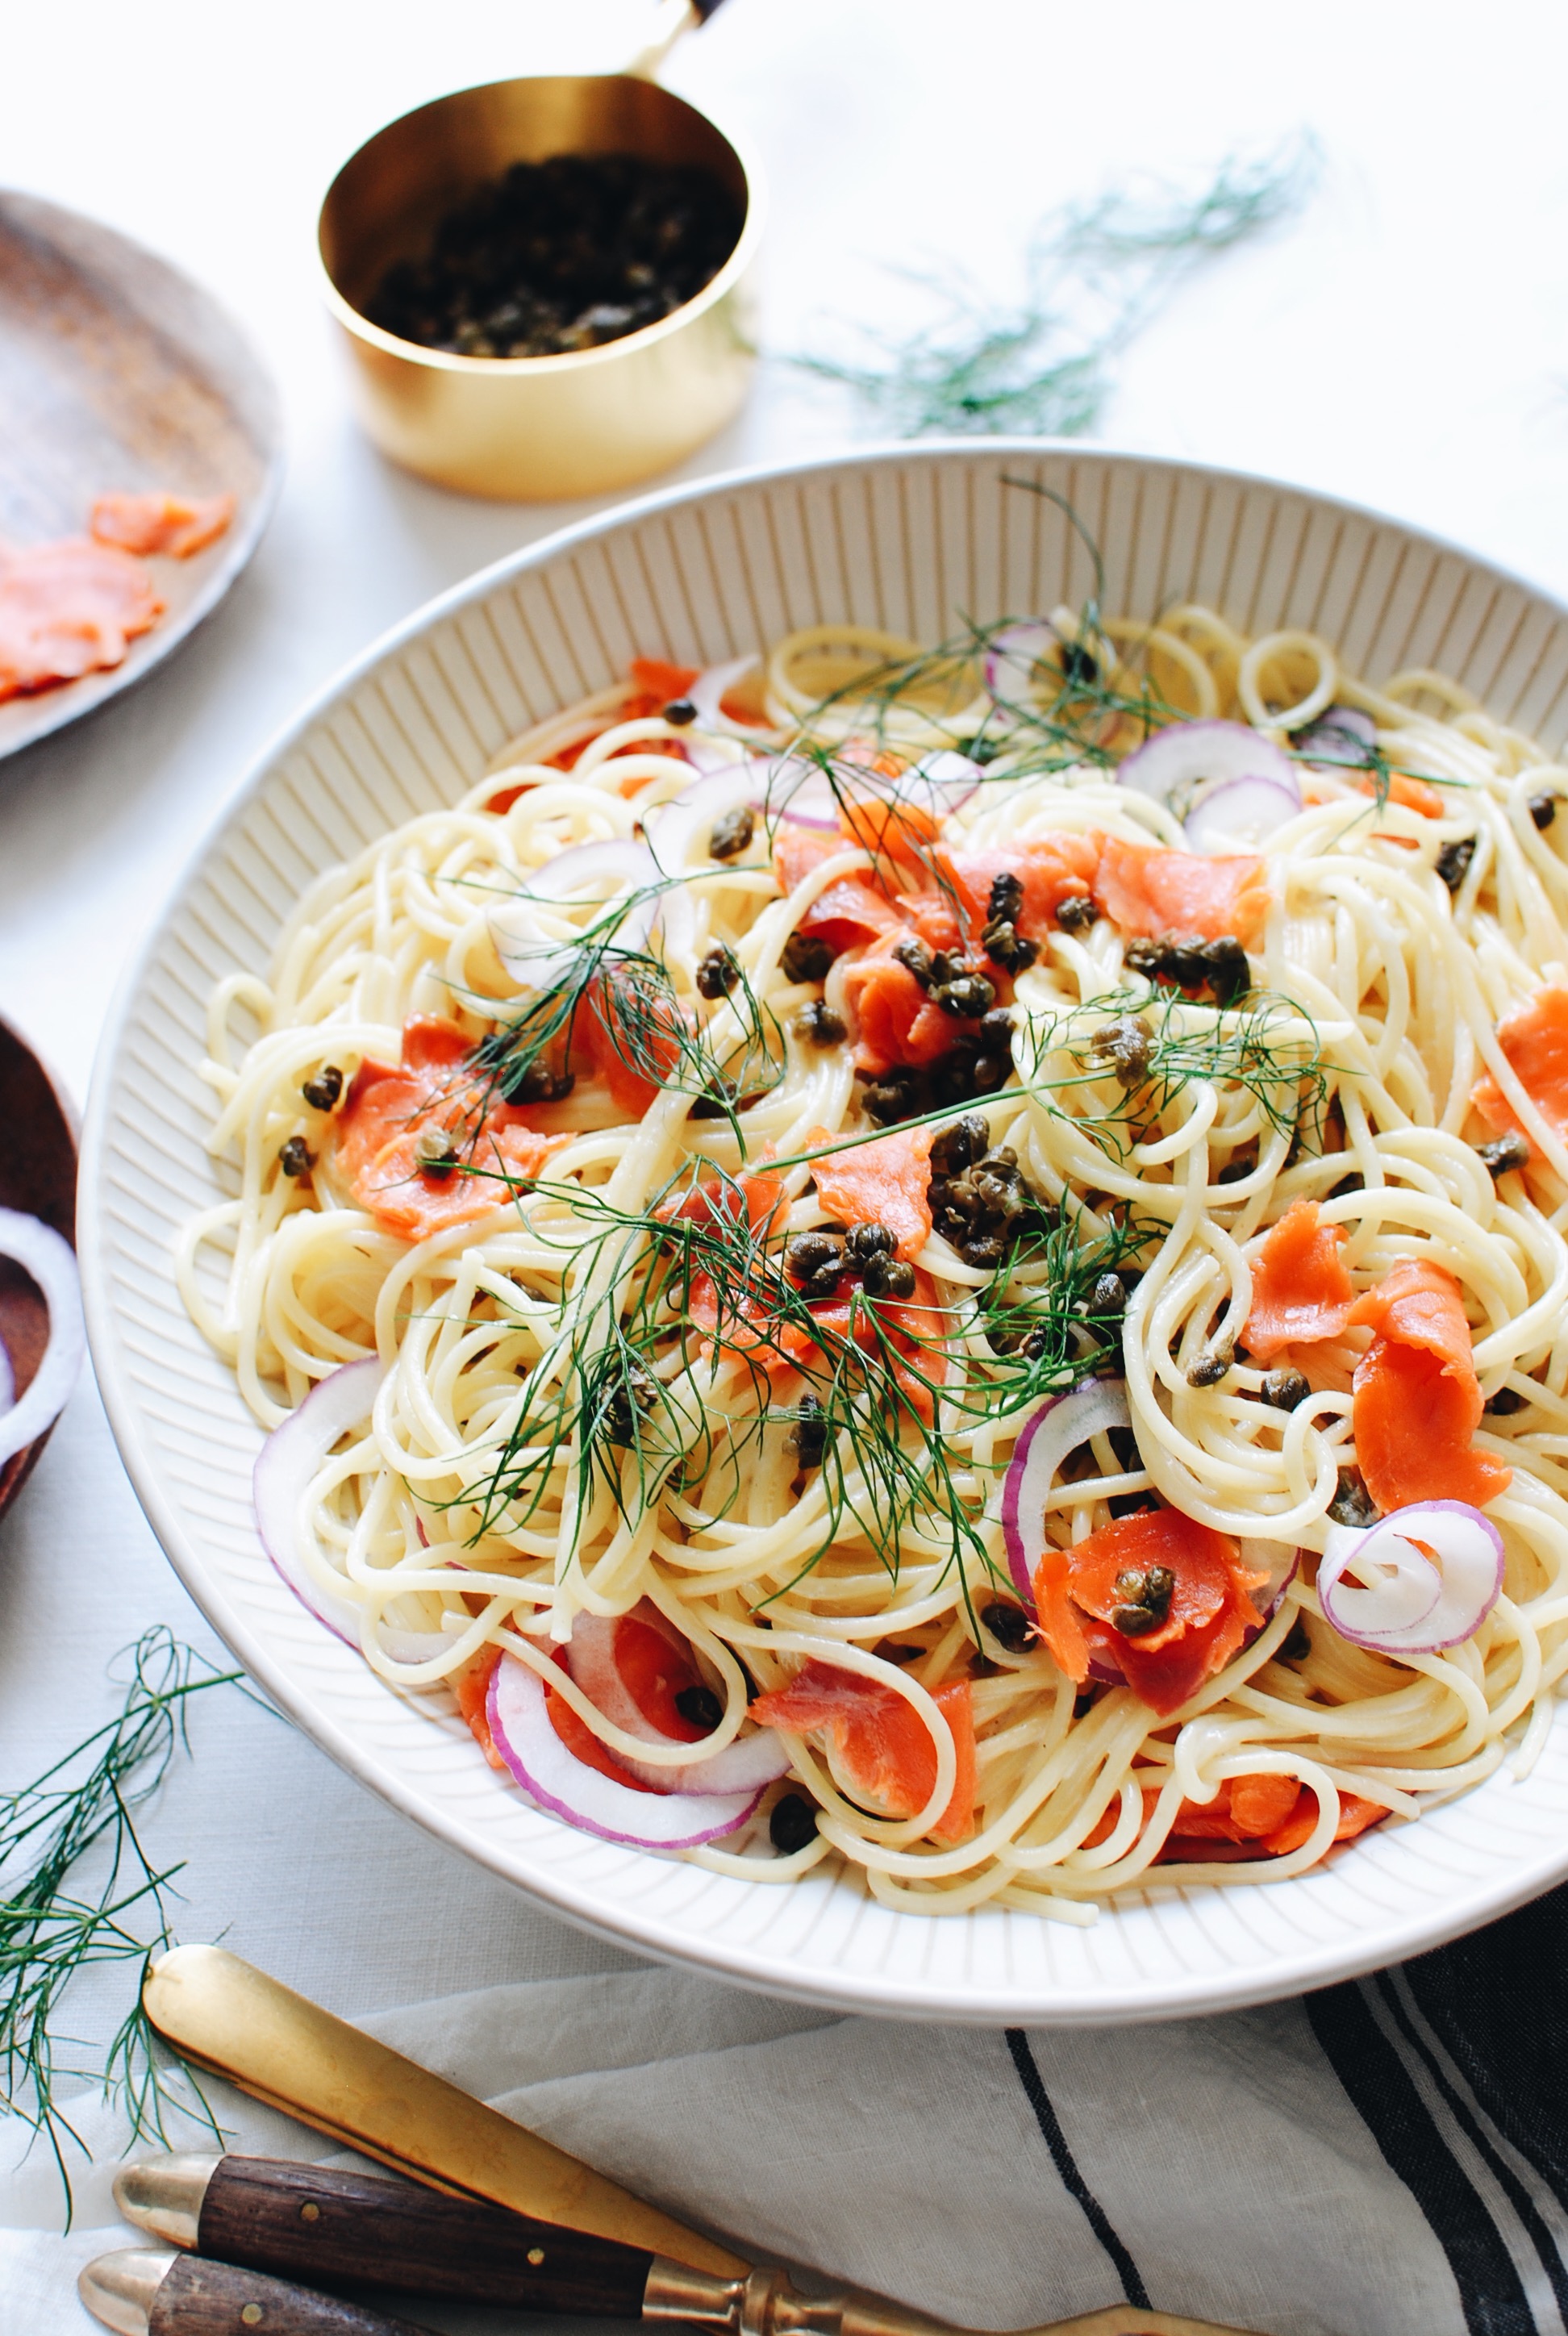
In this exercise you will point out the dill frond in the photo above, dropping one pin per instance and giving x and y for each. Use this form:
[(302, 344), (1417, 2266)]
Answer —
[(1259, 1045), (49, 1933), (692, 1285), (1096, 274)]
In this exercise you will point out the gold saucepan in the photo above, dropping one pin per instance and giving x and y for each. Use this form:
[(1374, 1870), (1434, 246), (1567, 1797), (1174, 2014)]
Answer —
[(540, 427)]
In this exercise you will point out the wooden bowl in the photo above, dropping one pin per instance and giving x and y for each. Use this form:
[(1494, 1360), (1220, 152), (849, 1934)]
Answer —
[(118, 371), (38, 1176)]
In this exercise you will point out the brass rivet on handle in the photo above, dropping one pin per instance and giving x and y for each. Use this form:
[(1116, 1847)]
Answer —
[(252, 2315), (310, 2212), (536, 2256)]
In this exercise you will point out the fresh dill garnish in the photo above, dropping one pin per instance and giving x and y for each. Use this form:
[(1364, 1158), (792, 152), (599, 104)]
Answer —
[(49, 1933), (1259, 1046), (1072, 711), (1096, 274), (622, 1391), (602, 984)]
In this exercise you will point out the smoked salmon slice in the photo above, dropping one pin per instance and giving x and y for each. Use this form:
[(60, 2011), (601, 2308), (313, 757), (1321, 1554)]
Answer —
[(886, 1184), (472, 1689), (1416, 794), (1355, 1816), (166, 523), (619, 1027), (853, 910), (1079, 1589), (654, 1670), (895, 1021), (375, 1137), (1150, 892), (69, 608), (1051, 869), (1258, 1816), (659, 683), (888, 829), (1301, 1291), (1416, 1398), (716, 1203), (883, 1750), (1245, 1809), (1535, 1041)]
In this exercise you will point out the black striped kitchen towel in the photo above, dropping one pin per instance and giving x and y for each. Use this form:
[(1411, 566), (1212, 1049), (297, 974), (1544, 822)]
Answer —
[(1389, 2157)]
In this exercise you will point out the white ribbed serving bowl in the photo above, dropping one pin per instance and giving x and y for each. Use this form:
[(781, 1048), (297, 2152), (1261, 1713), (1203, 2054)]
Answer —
[(911, 540)]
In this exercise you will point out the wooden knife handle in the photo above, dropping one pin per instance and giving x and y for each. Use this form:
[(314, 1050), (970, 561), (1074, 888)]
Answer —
[(357, 2230), (215, 2298)]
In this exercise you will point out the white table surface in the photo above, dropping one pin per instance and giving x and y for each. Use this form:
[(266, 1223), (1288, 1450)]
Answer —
[(1405, 342)]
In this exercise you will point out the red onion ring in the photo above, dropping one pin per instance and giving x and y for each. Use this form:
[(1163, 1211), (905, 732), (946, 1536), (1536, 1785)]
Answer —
[(1061, 1424), (1013, 655), (1240, 813), (1342, 737), (1190, 754), (284, 1465), (794, 787), (742, 1766), (48, 1260), (1419, 1608), (558, 1781), (672, 828), (710, 688), (537, 959)]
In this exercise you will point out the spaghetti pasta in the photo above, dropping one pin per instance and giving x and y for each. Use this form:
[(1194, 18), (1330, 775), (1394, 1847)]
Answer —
[(732, 1129)]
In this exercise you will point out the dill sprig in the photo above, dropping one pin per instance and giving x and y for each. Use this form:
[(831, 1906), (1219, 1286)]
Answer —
[(49, 1933), (1096, 273), (1259, 1045), (694, 1282), (1071, 714), (627, 992)]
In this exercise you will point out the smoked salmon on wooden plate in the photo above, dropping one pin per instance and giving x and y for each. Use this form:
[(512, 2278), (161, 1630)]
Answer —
[(140, 453)]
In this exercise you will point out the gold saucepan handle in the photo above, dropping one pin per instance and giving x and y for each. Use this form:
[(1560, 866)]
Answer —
[(674, 18)]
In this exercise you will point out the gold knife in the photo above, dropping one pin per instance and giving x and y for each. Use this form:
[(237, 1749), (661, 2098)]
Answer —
[(224, 2016)]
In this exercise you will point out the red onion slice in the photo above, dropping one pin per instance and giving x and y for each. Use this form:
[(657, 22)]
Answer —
[(705, 755), (1240, 813), (49, 1261), (1188, 755), (1061, 1424), (797, 788), (559, 1782), (538, 958), (8, 1381), (1416, 1608), (284, 1465), (941, 783), (748, 1762), (794, 787), (1278, 1562), (1342, 737), (292, 1454), (674, 827), (1056, 1429), (1013, 655), (707, 690)]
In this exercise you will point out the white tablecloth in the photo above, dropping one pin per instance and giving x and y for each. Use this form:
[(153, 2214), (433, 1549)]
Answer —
[(1406, 342)]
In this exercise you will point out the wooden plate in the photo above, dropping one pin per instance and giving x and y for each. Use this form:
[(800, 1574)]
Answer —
[(38, 1175), (118, 373)]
